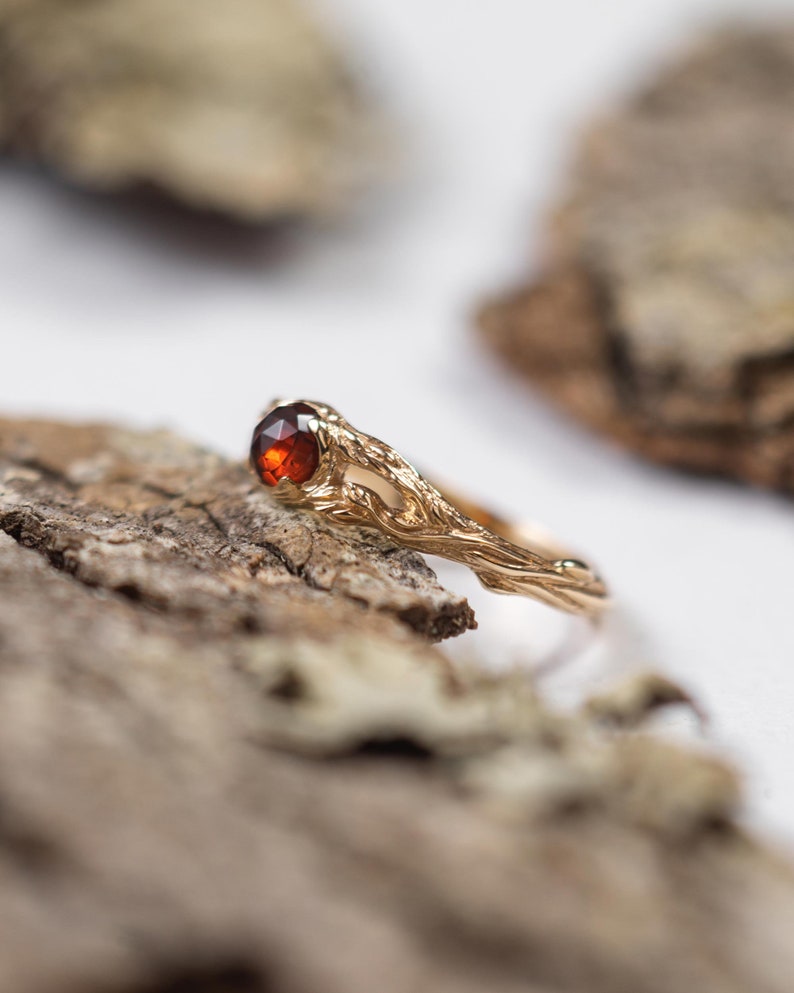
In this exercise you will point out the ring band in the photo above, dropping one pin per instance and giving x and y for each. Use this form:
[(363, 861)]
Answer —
[(316, 460)]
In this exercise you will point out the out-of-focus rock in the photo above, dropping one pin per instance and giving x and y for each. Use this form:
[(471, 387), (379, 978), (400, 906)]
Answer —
[(244, 107), (665, 312)]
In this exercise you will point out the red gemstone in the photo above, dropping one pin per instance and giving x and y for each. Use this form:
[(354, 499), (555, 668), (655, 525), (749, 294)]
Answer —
[(283, 446)]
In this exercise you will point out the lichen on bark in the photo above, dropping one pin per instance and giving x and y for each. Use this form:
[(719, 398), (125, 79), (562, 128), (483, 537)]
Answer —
[(245, 108), (663, 314), (231, 759)]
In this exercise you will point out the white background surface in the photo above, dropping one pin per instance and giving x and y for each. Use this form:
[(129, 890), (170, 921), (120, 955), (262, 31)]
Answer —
[(373, 315)]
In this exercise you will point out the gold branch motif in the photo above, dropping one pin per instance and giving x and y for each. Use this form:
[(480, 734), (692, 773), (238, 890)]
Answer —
[(360, 480)]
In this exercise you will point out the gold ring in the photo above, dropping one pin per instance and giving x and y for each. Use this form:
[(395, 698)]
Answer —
[(316, 460)]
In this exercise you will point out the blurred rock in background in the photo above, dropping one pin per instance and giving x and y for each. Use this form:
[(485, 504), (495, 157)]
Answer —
[(665, 314), (243, 108)]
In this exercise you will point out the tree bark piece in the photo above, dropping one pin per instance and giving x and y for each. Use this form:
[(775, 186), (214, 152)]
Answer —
[(230, 761), (665, 315), (244, 108), (162, 523)]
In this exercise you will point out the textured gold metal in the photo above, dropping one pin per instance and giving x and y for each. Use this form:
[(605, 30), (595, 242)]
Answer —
[(360, 480)]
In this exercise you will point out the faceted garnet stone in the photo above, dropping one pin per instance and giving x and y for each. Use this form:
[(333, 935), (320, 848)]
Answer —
[(283, 445)]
